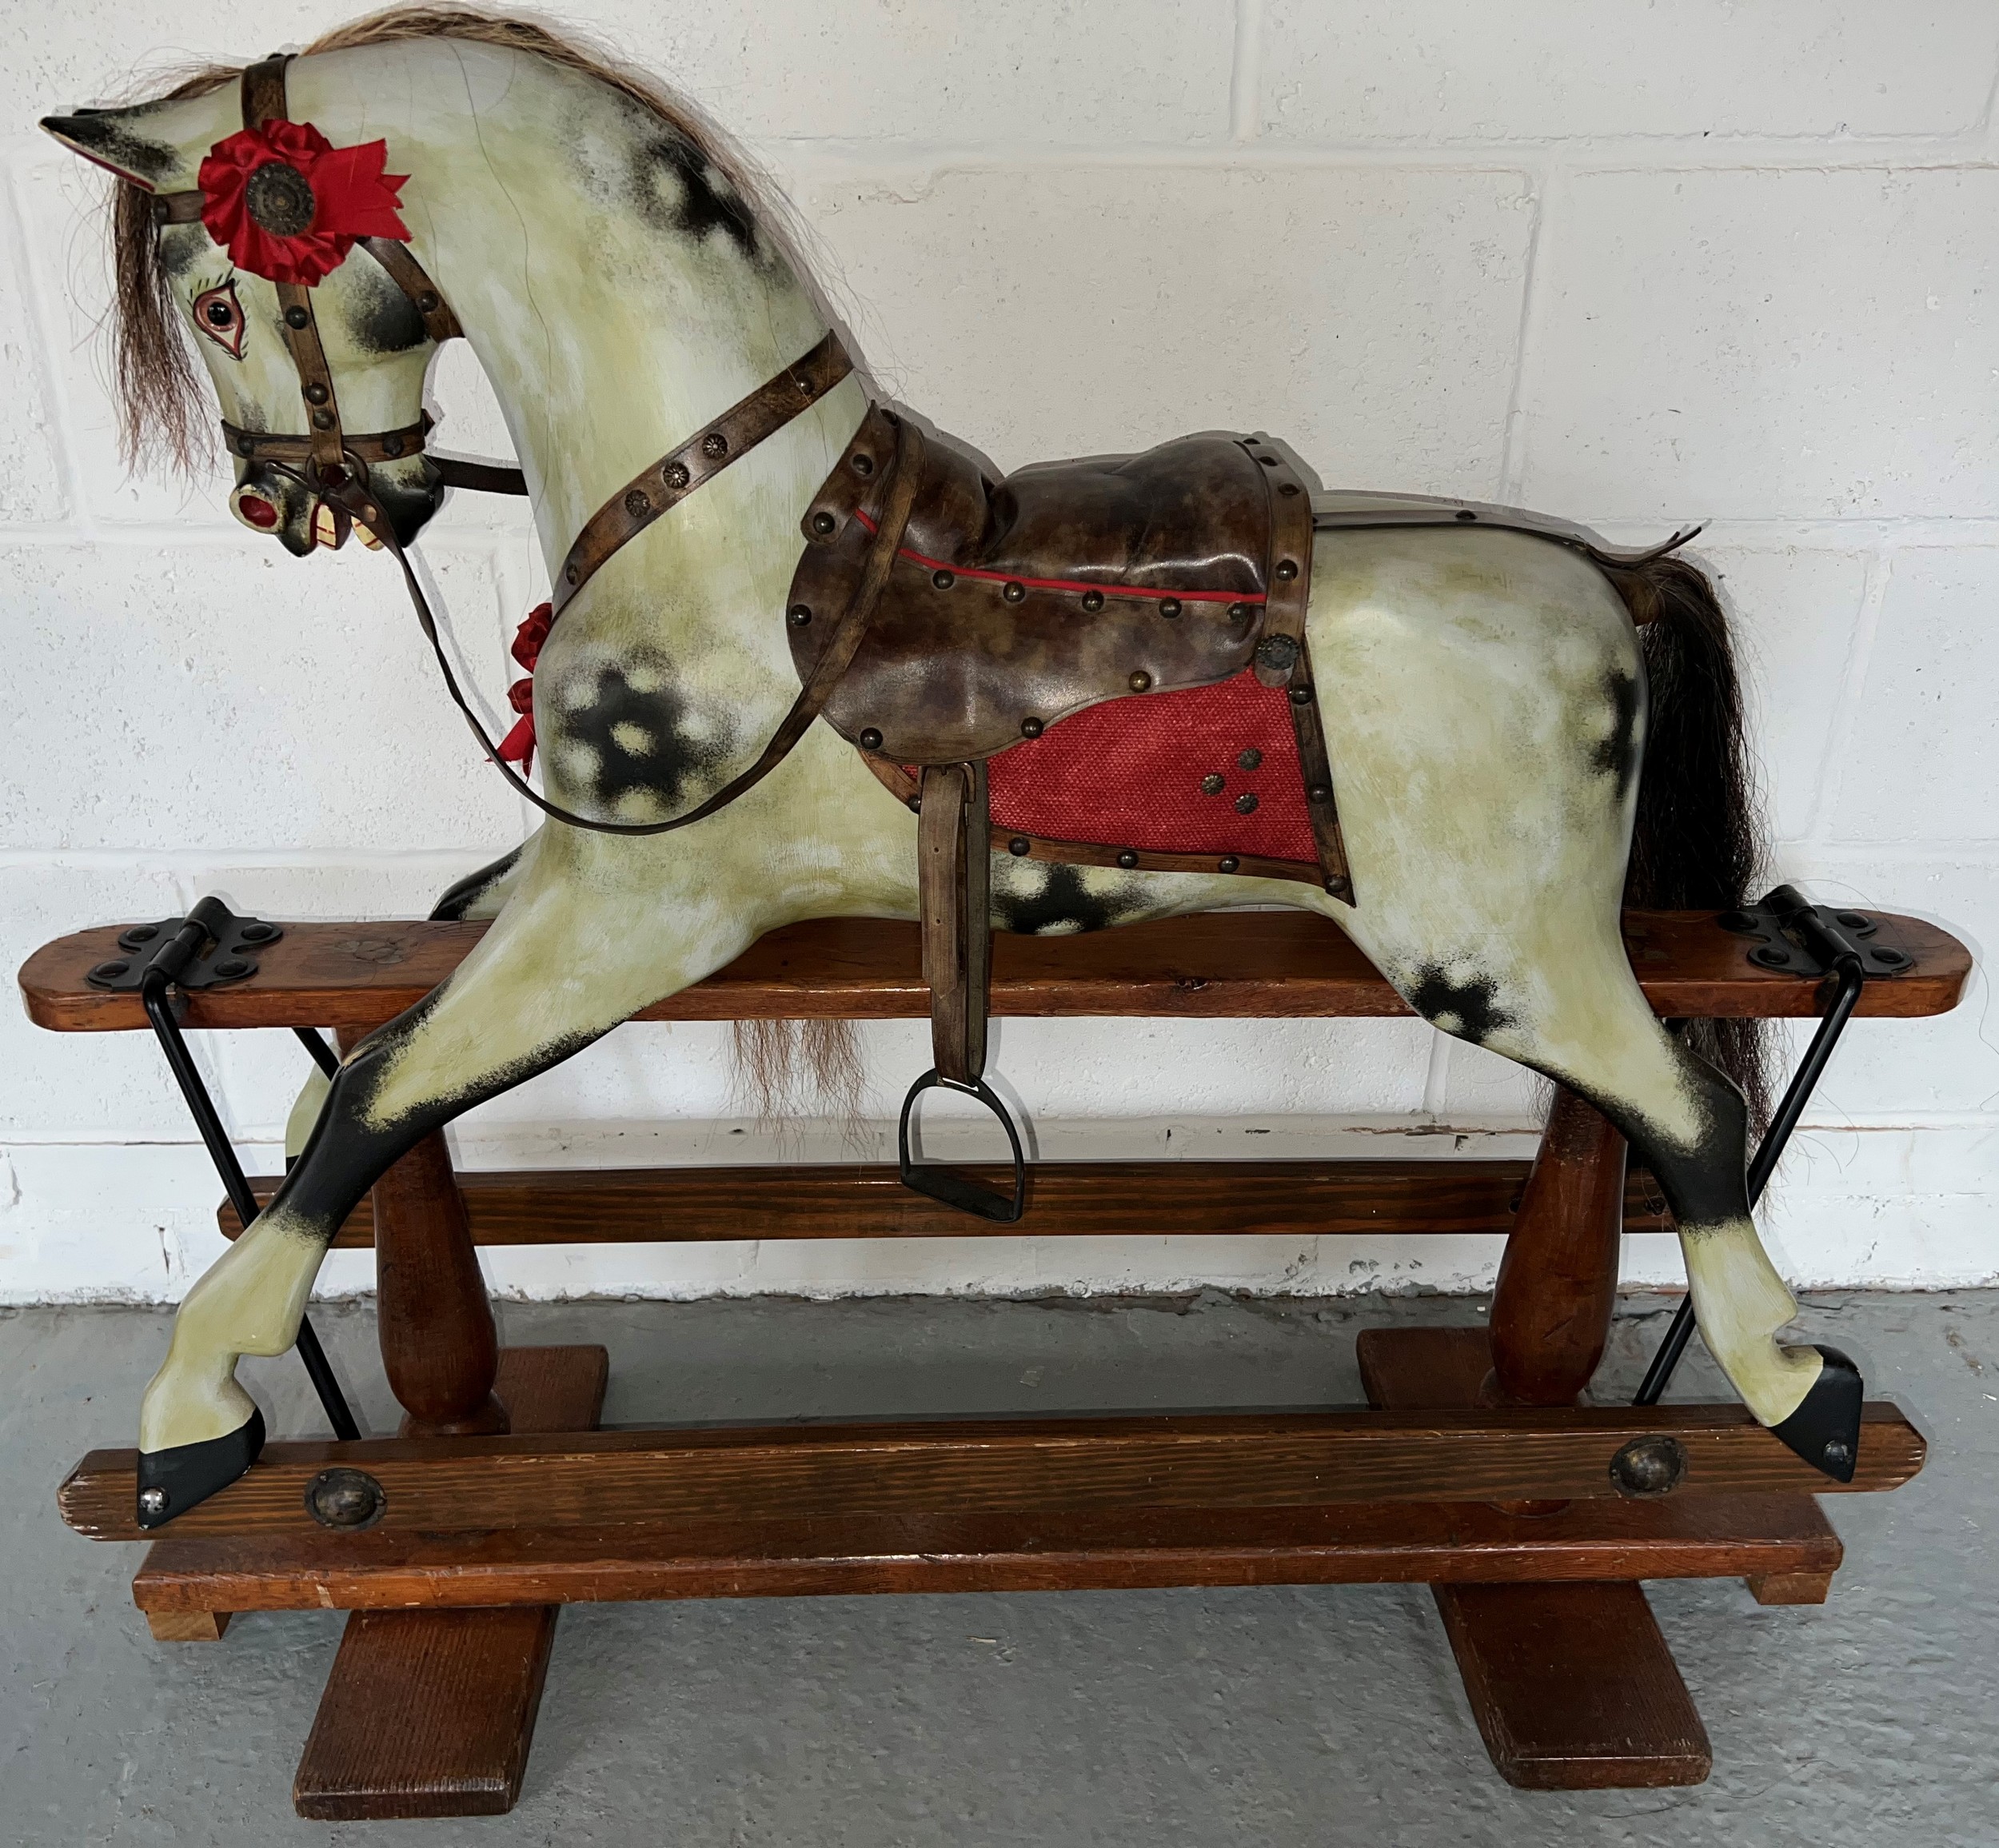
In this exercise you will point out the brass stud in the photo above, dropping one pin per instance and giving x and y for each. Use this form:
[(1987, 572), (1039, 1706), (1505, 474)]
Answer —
[(1031, 728), (1015, 593), (1213, 783), (1286, 570), (676, 476), (944, 580), (1140, 681), (862, 465), (1340, 888), (316, 393), (322, 420), (1301, 696), (1250, 760), (870, 740), (392, 446), (637, 503), (1128, 860), (800, 615), (427, 302), (1246, 803), (246, 445), (1020, 847), (805, 385), (1170, 607), (1093, 601), (298, 317), (824, 524), (1319, 793), (1239, 611), (1227, 863), (715, 445)]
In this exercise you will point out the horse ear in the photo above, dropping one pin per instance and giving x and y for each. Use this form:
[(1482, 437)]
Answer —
[(107, 138)]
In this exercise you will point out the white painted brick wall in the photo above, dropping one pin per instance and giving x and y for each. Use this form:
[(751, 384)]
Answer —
[(1633, 261)]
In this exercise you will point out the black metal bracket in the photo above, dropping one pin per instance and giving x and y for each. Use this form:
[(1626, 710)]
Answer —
[(225, 951), (1797, 937), (1808, 940), (200, 951)]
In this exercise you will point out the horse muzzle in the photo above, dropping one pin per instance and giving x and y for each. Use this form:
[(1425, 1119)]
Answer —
[(282, 502)]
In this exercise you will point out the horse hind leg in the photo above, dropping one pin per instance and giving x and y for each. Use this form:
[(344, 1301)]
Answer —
[(1689, 1125)]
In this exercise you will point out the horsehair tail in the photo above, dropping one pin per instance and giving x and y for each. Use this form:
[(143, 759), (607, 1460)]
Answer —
[(1700, 840)]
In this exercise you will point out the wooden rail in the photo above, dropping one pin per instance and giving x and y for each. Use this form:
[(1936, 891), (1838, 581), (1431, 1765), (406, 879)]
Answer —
[(1220, 965)]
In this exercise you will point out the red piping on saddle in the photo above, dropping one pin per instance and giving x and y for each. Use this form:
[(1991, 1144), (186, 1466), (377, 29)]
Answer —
[(1151, 593), (517, 747)]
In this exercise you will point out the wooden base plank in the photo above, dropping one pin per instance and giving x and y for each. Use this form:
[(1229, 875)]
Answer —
[(1572, 1685), (431, 1713)]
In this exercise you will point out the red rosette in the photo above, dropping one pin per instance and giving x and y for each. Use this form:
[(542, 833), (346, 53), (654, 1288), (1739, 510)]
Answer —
[(335, 196)]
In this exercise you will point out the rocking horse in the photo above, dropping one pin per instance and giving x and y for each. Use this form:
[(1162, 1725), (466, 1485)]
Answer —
[(807, 658)]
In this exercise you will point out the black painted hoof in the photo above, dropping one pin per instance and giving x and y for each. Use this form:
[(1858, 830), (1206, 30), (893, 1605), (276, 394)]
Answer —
[(1825, 1431), (173, 1481)]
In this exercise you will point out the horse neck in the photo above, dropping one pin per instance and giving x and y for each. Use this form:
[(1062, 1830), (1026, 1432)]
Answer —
[(593, 266)]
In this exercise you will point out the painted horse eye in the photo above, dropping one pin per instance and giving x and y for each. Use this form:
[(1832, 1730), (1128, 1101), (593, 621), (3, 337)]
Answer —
[(220, 316)]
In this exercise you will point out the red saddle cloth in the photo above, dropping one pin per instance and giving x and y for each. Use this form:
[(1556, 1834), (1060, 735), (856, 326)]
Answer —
[(1201, 770)]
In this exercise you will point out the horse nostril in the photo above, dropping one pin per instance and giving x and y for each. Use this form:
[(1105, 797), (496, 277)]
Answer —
[(256, 510)]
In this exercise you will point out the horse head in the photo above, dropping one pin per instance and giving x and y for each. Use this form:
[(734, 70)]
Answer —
[(279, 252)]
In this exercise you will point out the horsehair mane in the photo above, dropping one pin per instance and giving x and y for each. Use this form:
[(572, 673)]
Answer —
[(1097, 691)]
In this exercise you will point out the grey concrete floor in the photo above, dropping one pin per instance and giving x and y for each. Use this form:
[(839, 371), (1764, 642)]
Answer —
[(1279, 1717)]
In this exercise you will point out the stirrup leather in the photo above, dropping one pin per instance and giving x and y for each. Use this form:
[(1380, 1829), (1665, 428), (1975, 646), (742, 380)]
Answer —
[(953, 879)]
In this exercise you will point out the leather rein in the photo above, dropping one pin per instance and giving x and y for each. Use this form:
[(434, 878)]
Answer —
[(335, 465)]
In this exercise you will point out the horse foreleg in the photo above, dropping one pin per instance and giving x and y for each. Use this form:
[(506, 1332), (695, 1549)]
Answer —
[(556, 971)]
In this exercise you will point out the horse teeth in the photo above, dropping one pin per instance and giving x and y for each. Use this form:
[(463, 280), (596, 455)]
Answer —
[(325, 532), (366, 537)]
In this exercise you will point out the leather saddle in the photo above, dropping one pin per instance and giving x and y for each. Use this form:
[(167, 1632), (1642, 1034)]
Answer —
[(1009, 605)]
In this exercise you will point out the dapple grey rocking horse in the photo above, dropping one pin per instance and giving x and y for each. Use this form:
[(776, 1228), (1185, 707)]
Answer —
[(805, 658)]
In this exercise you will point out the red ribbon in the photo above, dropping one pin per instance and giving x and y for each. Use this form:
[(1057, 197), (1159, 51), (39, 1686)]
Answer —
[(352, 198), (517, 747)]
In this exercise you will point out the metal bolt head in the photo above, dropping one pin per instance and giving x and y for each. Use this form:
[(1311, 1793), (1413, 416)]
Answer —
[(1649, 1465), (824, 524), (1227, 863), (1031, 728), (322, 420), (152, 1503), (246, 445), (870, 740), (944, 580), (1128, 860), (108, 971), (1140, 681), (297, 317), (1015, 593), (1301, 696), (316, 393), (1771, 956), (230, 967), (345, 1500), (427, 302), (1319, 792), (800, 615), (1286, 570), (392, 446), (862, 465), (1093, 601), (1169, 606), (1020, 847), (1891, 959), (1838, 1453), (254, 932)]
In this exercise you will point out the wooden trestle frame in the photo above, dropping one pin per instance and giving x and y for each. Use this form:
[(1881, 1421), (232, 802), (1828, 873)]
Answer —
[(1477, 1469)]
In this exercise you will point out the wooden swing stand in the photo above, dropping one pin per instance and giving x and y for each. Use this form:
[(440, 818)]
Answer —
[(1476, 1467)]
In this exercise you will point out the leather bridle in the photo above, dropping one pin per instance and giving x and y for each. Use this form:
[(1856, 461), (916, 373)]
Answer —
[(335, 465)]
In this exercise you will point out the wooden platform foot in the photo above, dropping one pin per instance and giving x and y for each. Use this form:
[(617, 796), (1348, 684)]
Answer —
[(431, 1713), (1790, 1587), (1572, 1685), (187, 1626)]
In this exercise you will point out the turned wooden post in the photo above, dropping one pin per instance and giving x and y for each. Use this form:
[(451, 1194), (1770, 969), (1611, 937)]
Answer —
[(438, 1345), (1559, 1279)]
